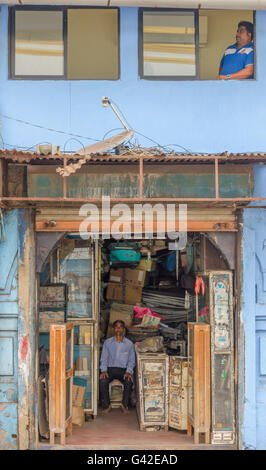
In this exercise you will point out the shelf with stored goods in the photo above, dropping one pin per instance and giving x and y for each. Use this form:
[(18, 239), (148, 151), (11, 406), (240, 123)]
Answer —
[(75, 270), (85, 363)]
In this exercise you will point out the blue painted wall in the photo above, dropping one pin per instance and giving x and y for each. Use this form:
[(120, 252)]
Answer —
[(224, 115), (254, 319), (9, 312), (202, 116)]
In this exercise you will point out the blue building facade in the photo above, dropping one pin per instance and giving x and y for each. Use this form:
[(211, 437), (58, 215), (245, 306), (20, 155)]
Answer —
[(200, 116)]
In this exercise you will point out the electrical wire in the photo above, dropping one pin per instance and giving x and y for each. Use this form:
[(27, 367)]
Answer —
[(134, 147), (46, 128), (180, 146), (164, 147), (76, 141), (136, 132)]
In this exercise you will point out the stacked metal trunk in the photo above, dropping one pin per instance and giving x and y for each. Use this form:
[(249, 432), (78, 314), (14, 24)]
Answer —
[(152, 391)]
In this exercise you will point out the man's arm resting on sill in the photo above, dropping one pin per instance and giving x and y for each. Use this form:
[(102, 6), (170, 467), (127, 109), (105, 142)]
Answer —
[(242, 74)]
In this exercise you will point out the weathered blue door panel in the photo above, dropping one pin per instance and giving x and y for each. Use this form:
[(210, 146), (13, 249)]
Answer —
[(9, 333), (8, 393), (8, 426)]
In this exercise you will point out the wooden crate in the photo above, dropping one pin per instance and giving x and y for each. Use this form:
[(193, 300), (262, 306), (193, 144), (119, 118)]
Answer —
[(152, 391), (199, 380), (178, 390), (60, 381)]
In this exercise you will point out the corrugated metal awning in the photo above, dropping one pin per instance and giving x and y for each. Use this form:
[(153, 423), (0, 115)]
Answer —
[(18, 156)]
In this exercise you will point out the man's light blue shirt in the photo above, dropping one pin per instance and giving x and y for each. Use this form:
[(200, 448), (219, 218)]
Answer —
[(116, 354)]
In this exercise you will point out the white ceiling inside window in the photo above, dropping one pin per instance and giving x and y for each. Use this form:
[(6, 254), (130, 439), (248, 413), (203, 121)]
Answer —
[(219, 4)]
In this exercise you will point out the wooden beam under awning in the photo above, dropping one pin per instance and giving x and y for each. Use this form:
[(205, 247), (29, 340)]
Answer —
[(192, 226), (199, 219)]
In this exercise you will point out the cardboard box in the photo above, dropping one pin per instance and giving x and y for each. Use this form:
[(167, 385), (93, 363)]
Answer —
[(121, 312), (78, 415), (78, 395), (117, 275), (133, 294), (135, 277), (115, 291)]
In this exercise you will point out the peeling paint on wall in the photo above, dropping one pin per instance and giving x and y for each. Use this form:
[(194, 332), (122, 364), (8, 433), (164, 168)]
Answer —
[(24, 348), (26, 330)]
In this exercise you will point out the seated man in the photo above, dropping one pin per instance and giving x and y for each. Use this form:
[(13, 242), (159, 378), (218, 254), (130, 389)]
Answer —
[(238, 59), (117, 362)]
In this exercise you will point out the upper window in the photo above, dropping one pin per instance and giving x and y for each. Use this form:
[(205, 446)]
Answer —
[(169, 44), (67, 43), (189, 44)]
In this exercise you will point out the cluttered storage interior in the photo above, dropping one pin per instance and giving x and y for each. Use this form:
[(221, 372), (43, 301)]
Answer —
[(177, 306)]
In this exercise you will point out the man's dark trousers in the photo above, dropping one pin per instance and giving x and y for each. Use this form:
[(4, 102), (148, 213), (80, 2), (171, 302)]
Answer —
[(115, 373)]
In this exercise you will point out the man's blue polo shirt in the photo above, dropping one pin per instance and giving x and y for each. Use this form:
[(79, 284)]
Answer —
[(235, 59)]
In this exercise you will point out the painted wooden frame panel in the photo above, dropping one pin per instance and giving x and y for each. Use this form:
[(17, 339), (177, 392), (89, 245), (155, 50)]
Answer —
[(178, 392), (199, 407), (222, 357), (61, 378)]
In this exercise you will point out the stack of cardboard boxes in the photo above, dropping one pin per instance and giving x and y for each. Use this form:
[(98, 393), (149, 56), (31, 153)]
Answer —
[(126, 284)]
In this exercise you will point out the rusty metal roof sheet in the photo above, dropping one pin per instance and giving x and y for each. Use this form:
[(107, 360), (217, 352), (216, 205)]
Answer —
[(18, 156)]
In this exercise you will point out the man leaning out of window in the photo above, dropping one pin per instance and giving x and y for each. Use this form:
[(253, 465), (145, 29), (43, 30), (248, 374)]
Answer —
[(238, 59)]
